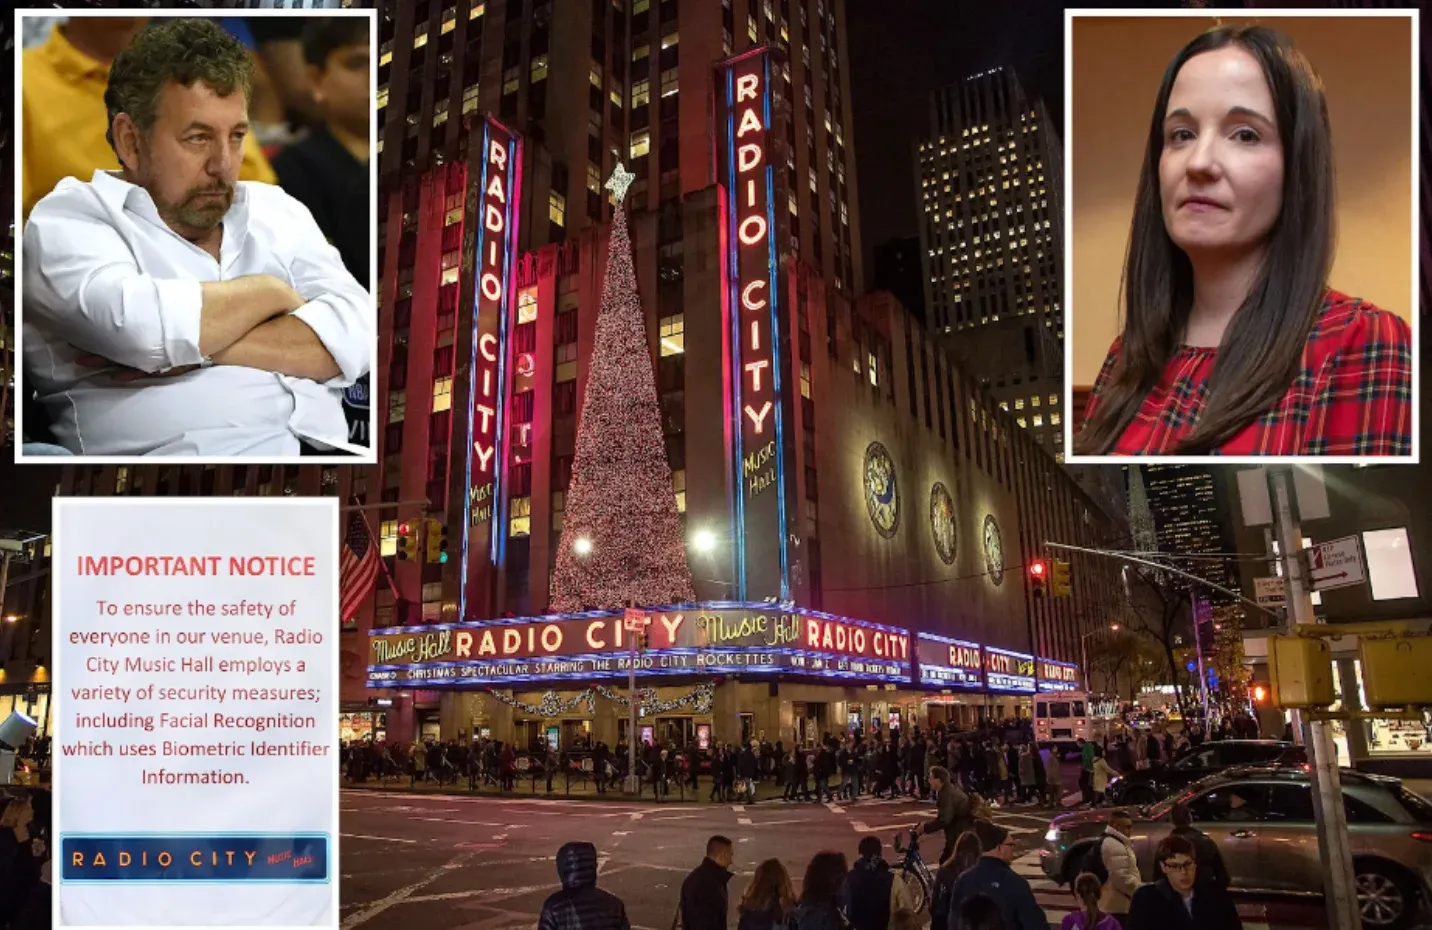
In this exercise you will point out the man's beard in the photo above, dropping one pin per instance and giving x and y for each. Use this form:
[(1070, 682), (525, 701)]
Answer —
[(203, 208)]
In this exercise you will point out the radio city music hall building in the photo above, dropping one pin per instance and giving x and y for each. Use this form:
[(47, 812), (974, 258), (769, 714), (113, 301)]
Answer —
[(867, 513)]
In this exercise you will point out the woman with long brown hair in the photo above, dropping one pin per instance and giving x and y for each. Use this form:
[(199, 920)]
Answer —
[(770, 900), (966, 853), (1233, 343), (1087, 889)]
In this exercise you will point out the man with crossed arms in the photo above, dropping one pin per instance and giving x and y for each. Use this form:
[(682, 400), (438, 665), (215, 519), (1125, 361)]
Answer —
[(171, 309)]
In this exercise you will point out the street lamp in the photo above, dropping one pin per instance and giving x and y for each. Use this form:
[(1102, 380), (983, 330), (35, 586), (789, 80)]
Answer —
[(1084, 651), (704, 541)]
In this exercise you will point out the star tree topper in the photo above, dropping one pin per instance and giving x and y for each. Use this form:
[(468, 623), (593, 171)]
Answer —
[(619, 182)]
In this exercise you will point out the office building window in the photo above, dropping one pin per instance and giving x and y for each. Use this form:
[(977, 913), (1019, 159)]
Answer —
[(442, 394), (539, 68), (640, 93), (521, 517), (640, 143), (673, 335), (557, 208), (678, 481)]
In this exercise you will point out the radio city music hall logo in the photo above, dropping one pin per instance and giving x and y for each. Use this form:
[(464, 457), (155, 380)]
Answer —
[(275, 857)]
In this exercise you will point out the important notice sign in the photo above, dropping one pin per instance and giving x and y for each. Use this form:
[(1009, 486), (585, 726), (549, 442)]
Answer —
[(196, 712)]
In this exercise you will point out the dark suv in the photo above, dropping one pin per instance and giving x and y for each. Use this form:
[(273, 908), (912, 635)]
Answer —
[(1149, 785)]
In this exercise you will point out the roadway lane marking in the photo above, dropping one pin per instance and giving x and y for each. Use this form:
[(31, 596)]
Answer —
[(403, 894), (385, 839), (834, 808), (1035, 817), (744, 821), (470, 823), (738, 808), (769, 823)]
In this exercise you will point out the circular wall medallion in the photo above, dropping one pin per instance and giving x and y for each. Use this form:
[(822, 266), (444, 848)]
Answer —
[(882, 494), (993, 550), (942, 522)]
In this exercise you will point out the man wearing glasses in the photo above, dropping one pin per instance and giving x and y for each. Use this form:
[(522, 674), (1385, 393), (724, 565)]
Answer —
[(993, 877), (1173, 903)]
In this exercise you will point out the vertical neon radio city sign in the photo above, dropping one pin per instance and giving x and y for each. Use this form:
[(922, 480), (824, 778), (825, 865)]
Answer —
[(753, 316), (494, 187)]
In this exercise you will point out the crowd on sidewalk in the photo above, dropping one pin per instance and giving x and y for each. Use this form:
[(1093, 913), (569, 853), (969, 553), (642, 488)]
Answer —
[(999, 761)]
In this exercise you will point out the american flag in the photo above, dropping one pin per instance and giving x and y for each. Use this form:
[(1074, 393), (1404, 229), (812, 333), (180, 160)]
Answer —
[(358, 568)]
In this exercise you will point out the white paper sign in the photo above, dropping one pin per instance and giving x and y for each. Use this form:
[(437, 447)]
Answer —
[(196, 712)]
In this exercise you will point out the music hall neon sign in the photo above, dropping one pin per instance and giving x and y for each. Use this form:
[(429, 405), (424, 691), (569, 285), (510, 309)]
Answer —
[(753, 317), (495, 185)]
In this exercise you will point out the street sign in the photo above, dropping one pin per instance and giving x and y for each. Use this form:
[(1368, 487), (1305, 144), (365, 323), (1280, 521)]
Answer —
[(1268, 592), (633, 621), (1336, 564)]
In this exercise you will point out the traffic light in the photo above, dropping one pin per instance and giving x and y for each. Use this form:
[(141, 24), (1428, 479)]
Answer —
[(1038, 582), (407, 542), (1059, 579), (437, 542)]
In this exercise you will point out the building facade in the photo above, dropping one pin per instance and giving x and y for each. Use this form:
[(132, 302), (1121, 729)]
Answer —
[(989, 188), (1192, 514), (885, 493)]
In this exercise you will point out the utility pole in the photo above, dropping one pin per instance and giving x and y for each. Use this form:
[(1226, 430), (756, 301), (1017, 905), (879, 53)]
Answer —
[(1341, 892)]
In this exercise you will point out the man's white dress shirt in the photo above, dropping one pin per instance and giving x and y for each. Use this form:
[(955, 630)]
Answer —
[(104, 275)]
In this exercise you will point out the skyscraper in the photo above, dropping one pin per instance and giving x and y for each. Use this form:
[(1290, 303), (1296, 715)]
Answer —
[(1192, 515), (989, 172)]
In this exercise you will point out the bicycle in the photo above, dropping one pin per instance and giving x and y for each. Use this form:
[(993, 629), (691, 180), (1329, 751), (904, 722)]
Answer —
[(919, 882)]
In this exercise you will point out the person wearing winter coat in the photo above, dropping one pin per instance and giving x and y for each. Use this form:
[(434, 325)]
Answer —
[(821, 893), (704, 894), (966, 854), (1053, 774), (746, 771), (1026, 773), (1103, 774), (1177, 901), (581, 905), (770, 899), (1117, 852), (788, 777), (993, 877), (953, 811), (1211, 869), (872, 895)]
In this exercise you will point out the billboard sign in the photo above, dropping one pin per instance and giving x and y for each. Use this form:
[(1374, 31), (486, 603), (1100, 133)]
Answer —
[(490, 243), (949, 663), (1009, 671), (700, 638), (1059, 676)]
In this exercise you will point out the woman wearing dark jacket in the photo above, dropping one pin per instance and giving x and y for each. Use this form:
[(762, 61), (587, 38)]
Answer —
[(966, 853), (770, 901), (819, 907)]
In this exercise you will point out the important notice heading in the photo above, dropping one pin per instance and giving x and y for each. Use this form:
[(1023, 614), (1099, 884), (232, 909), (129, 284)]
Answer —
[(197, 565)]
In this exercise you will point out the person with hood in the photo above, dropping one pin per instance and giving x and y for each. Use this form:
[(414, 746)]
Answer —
[(993, 877), (704, 894), (581, 905), (1103, 775), (769, 901), (821, 892), (872, 895), (1116, 851), (953, 810), (1177, 901), (1211, 869)]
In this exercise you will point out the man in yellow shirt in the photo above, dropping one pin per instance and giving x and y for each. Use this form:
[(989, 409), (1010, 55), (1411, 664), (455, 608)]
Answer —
[(64, 115)]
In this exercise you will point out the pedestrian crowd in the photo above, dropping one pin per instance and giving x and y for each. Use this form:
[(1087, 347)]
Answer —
[(976, 887)]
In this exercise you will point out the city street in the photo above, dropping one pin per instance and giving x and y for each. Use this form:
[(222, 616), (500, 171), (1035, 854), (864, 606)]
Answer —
[(449, 862)]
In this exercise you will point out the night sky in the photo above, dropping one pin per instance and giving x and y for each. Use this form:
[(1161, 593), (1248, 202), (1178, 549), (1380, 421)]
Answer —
[(901, 50)]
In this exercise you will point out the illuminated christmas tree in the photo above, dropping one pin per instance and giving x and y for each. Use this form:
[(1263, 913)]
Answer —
[(621, 532)]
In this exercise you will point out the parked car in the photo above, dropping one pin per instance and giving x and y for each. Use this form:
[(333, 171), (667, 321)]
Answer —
[(1261, 817), (1145, 786)]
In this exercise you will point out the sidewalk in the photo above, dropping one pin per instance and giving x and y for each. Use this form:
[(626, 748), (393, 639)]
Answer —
[(579, 791)]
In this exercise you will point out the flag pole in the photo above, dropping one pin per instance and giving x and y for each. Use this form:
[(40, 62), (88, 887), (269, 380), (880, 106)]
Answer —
[(378, 550)]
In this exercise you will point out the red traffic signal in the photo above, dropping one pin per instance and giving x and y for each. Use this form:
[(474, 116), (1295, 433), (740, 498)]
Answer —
[(1037, 580), (404, 529)]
